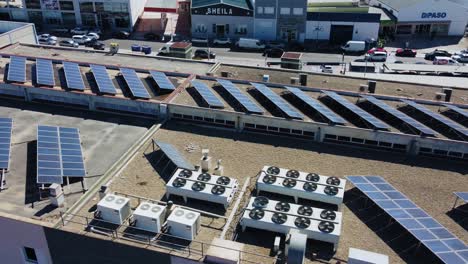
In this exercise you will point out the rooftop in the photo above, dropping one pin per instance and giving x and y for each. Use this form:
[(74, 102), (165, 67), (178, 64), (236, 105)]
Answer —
[(245, 4)]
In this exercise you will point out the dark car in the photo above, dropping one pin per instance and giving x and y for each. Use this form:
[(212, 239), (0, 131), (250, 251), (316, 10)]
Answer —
[(437, 53), (90, 43), (151, 36), (203, 54), (122, 35), (99, 46), (273, 53), (405, 53)]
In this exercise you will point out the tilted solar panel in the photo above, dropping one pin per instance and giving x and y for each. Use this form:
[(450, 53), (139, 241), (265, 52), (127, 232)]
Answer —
[(71, 152), (17, 69), (45, 72), (6, 125), (171, 152), (462, 195), (278, 101), (207, 95), (457, 109), (49, 166), (161, 79), (245, 101), (104, 83), (73, 76), (134, 83)]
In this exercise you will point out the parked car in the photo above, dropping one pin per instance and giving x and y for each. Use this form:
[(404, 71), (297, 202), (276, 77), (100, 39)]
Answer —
[(249, 43), (463, 51), (398, 62), (273, 52), (68, 43), (46, 37), (79, 31), (222, 41), (200, 41), (95, 30), (371, 51), (121, 34), (377, 56), (461, 58), (61, 30), (326, 68), (354, 46), (81, 39), (444, 61), (99, 46), (405, 53), (275, 44), (437, 53), (151, 36), (50, 42), (93, 35), (203, 54)]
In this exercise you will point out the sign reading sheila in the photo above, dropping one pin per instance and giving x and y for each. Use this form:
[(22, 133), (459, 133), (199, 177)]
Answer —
[(221, 10)]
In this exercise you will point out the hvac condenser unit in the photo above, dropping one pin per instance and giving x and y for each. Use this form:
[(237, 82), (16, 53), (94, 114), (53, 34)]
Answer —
[(184, 223), (149, 217), (113, 208)]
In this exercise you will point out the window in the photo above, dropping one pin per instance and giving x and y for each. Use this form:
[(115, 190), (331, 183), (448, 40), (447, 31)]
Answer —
[(260, 10), (285, 11), (200, 28), (34, 4), (30, 254), (241, 30), (298, 11), (404, 29), (86, 7), (66, 5), (269, 10), (88, 20)]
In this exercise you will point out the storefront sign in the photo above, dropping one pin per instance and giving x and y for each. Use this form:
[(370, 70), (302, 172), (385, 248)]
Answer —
[(218, 11), (429, 15), (221, 10)]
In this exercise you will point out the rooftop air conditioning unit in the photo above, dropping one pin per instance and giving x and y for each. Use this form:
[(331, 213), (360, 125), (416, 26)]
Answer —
[(114, 209), (184, 223), (149, 217)]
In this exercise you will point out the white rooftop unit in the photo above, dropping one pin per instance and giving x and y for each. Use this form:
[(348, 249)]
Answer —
[(184, 223), (309, 186), (359, 256), (280, 217), (114, 209), (202, 186), (149, 217)]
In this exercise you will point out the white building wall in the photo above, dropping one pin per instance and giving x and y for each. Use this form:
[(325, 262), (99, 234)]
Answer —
[(265, 29), (321, 30), (136, 8)]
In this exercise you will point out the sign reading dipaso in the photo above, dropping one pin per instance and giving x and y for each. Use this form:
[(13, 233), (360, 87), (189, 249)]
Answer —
[(430, 15)]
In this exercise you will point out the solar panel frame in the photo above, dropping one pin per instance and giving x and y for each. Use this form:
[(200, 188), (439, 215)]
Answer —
[(376, 123), (279, 102), (49, 163), (462, 195), (71, 153), (174, 155), (6, 127), (162, 80), (134, 83), (103, 81), (315, 104), (45, 72), (73, 76), (241, 98), (426, 229), (457, 109), (17, 69), (208, 96)]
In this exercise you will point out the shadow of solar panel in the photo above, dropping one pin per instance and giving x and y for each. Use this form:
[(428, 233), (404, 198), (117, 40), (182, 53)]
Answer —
[(134, 83), (457, 109), (45, 72), (245, 101), (161, 79), (5, 142), (17, 69), (104, 83), (73, 76), (171, 152), (277, 101), (207, 95)]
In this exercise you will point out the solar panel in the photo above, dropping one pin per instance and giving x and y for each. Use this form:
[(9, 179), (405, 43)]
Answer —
[(17, 69), (71, 152), (245, 101), (456, 127), (49, 166), (423, 130), (134, 83), (462, 195), (457, 109), (73, 76), (5, 142), (277, 101), (104, 83), (376, 123), (162, 80), (207, 95), (174, 155), (45, 72), (323, 110), (422, 226)]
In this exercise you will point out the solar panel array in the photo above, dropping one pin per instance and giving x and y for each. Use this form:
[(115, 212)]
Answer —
[(17, 69), (207, 95), (277, 101), (462, 195), (426, 229), (104, 83), (134, 83), (323, 110), (423, 130), (245, 101), (71, 152), (460, 129), (457, 109), (73, 76), (5, 141), (45, 72), (162, 80), (174, 155), (376, 123)]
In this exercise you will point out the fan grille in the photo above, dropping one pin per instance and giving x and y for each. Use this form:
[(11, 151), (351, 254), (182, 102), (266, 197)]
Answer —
[(326, 227), (331, 190), (289, 183), (260, 201), (279, 218), (218, 190), (185, 173), (269, 179), (292, 174), (302, 222), (204, 177), (313, 177), (273, 170), (333, 181), (282, 207), (179, 182), (328, 215), (310, 186), (198, 186), (305, 210), (223, 180), (257, 214)]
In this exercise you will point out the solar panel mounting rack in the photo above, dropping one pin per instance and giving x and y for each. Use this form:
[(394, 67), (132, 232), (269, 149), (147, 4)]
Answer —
[(279, 102), (245, 101)]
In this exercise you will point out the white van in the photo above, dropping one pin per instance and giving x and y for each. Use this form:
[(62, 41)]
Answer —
[(377, 56), (444, 61), (247, 43), (354, 46)]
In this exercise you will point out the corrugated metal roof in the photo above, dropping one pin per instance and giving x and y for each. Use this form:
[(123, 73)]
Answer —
[(245, 4), (400, 4)]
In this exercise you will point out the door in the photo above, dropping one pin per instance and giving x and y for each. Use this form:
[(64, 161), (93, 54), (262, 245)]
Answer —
[(340, 34), (423, 29), (220, 31)]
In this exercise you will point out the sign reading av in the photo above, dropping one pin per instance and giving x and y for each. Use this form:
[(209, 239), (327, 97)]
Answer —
[(430, 15)]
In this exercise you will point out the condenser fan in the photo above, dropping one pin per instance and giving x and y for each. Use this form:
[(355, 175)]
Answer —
[(257, 214), (279, 218), (302, 222), (313, 177), (333, 181), (331, 190), (289, 183), (198, 186), (326, 227), (305, 210), (179, 182), (282, 207), (185, 173), (273, 170), (204, 177), (260, 202), (218, 190), (310, 187), (269, 179), (223, 180), (328, 215), (292, 174)]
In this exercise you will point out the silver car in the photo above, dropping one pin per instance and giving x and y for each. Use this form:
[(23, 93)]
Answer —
[(50, 42), (68, 43)]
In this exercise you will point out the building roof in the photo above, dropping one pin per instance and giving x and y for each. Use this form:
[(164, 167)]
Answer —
[(400, 4), (161, 4), (245, 4), (344, 17)]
